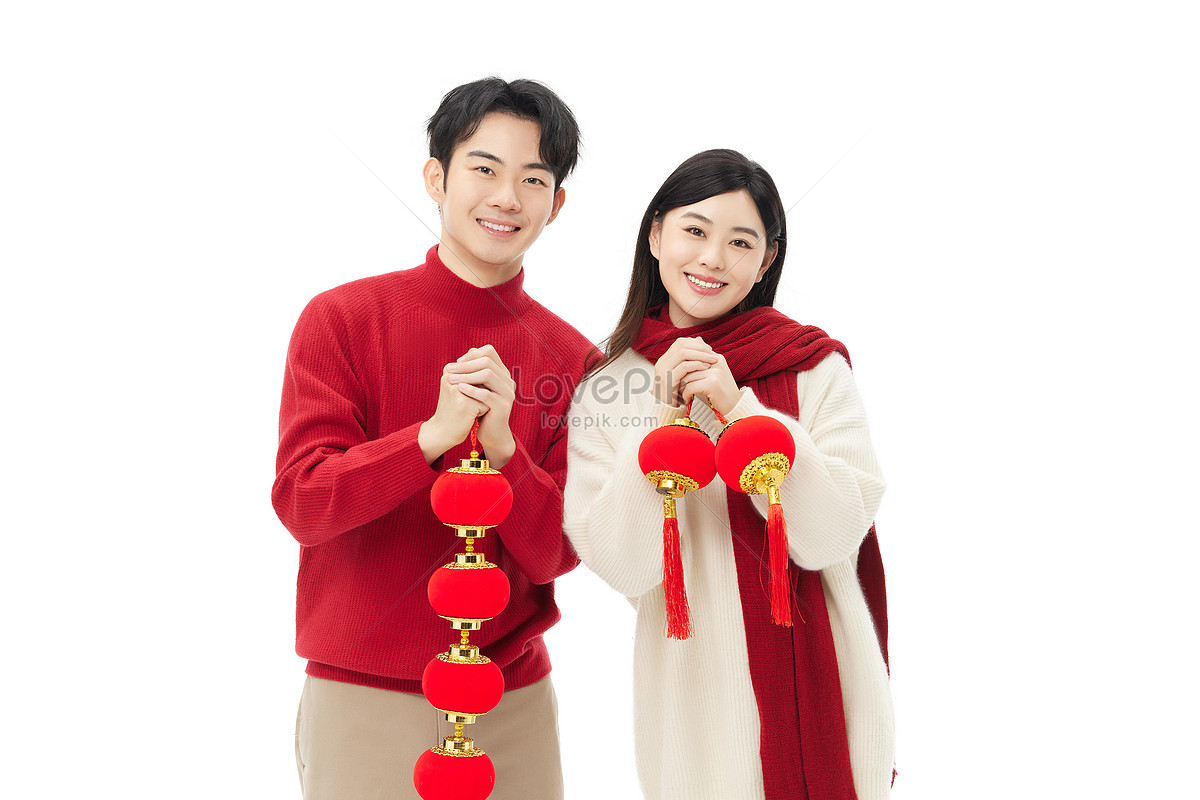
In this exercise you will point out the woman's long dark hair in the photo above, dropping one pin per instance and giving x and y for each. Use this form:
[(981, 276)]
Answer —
[(702, 176)]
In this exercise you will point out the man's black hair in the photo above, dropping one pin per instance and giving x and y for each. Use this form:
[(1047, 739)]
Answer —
[(464, 107)]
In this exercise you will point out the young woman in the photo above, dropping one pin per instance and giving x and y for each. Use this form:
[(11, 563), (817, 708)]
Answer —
[(744, 707)]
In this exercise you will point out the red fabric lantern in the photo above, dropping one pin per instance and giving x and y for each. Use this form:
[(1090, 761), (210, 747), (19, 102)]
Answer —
[(753, 455), (443, 773), (676, 458), (472, 495), (468, 591), (468, 686)]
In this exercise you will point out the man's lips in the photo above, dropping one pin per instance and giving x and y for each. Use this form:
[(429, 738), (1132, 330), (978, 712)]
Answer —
[(498, 228)]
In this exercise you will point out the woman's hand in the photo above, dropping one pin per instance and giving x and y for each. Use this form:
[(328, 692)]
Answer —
[(691, 367), (716, 383)]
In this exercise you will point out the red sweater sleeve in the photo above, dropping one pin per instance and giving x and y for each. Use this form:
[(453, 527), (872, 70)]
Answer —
[(330, 477), (533, 533)]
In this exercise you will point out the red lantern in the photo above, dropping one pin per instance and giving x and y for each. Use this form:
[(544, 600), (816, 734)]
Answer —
[(470, 590), (677, 458), (753, 455), (462, 683), (455, 771), (471, 496)]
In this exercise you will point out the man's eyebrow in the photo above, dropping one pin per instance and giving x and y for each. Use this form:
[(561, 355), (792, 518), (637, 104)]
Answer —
[(496, 159), (707, 221)]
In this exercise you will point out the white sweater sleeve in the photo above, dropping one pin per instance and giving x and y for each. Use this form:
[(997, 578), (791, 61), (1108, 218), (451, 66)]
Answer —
[(611, 513), (834, 487)]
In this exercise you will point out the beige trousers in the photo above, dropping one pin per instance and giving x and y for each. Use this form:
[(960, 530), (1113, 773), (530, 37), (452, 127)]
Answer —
[(360, 743)]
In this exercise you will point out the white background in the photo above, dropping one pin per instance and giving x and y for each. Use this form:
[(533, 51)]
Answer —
[(1006, 241)]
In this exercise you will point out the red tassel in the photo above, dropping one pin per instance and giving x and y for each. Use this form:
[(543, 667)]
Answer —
[(781, 600), (679, 623)]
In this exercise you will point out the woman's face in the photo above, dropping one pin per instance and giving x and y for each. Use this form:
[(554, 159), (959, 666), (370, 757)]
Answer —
[(710, 254)]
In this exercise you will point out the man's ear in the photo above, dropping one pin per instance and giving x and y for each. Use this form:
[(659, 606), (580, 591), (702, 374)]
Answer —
[(768, 260), (435, 180), (560, 197), (655, 236)]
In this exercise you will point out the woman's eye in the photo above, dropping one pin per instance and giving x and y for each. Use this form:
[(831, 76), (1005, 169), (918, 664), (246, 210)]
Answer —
[(694, 231), (741, 243)]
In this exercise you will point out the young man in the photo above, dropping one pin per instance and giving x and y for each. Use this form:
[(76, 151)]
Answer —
[(384, 379)]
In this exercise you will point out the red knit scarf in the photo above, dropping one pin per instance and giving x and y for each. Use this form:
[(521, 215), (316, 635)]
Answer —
[(794, 669)]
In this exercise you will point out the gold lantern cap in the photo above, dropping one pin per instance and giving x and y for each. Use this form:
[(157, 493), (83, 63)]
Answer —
[(459, 746), (474, 464)]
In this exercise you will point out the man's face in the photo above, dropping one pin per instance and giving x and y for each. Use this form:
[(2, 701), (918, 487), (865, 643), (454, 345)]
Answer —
[(496, 195)]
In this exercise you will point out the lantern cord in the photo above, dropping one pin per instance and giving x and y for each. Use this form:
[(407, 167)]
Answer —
[(475, 436), (720, 417)]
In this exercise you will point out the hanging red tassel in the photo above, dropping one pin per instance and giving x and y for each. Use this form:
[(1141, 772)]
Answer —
[(679, 623), (781, 600)]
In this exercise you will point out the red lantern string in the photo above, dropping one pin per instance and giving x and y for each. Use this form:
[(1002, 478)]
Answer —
[(462, 683)]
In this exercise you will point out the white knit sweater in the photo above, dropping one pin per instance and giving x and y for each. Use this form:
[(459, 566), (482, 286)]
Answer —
[(696, 718)]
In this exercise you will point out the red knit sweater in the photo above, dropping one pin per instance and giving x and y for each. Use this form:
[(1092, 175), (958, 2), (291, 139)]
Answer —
[(353, 487)]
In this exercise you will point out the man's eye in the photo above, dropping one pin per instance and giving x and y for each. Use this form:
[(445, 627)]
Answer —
[(537, 181), (485, 170)]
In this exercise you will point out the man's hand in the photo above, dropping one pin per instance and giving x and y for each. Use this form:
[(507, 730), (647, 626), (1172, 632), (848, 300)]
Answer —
[(451, 422), (480, 375)]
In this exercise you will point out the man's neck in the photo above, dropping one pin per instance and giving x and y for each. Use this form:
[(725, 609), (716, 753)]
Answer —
[(476, 272)]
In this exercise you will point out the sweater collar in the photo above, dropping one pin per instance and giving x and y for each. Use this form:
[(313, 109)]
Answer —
[(440, 290)]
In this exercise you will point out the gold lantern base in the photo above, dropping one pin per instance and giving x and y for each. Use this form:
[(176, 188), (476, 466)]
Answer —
[(458, 717), (469, 531), (461, 624), (671, 484), (764, 474)]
